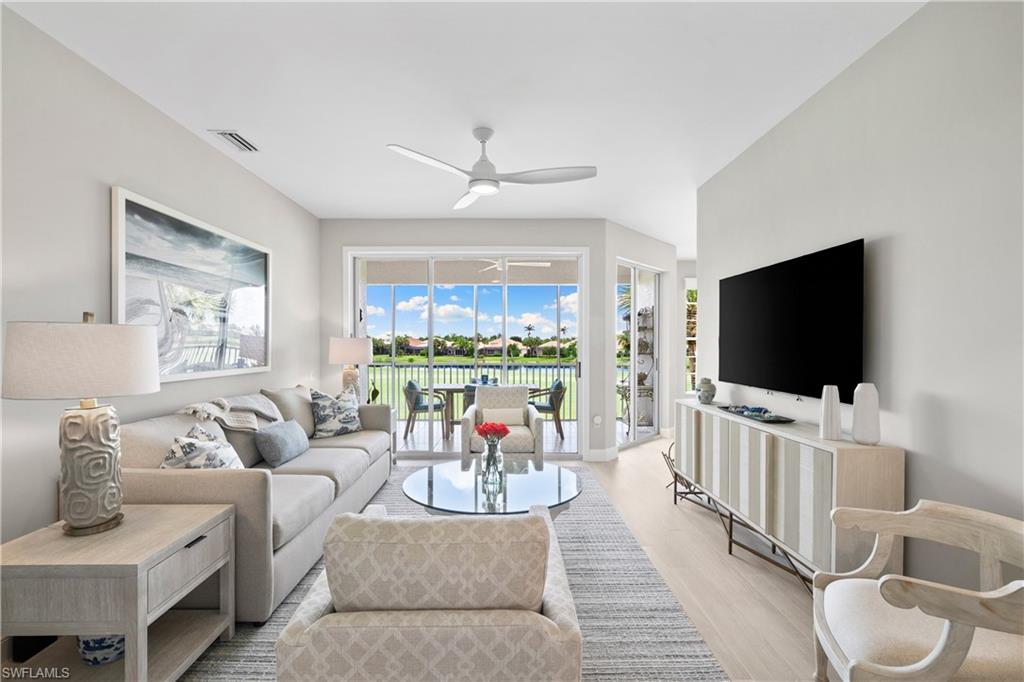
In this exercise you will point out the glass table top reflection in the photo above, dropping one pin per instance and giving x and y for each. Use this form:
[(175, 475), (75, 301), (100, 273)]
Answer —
[(447, 489)]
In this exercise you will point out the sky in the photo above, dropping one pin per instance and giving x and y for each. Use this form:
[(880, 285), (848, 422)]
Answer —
[(453, 310)]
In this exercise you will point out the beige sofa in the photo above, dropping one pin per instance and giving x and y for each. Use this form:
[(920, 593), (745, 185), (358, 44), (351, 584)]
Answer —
[(438, 619), (281, 514)]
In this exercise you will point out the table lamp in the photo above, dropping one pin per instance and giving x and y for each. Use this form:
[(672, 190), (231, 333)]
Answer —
[(350, 352), (55, 360)]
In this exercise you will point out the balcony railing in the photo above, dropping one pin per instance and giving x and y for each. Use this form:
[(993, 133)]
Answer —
[(389, 379)]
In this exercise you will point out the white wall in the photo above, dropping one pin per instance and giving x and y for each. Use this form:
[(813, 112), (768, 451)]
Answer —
[(69, 133), (605, 241), (917, 148)]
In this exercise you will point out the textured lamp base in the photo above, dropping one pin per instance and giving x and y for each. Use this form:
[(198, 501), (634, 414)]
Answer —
[(90, 470), (350, 380)]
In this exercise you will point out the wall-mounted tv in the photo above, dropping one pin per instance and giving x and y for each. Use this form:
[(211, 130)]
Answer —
[(797, 325)]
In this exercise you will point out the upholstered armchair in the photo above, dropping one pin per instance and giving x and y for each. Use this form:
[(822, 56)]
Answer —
[(392, 605), (509, 405), (874, 627)]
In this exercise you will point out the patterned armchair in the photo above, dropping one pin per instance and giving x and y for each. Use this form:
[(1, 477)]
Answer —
[(527, 437), (385, 630)]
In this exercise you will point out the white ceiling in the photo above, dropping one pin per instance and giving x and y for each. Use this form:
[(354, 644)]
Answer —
[(658, 96)]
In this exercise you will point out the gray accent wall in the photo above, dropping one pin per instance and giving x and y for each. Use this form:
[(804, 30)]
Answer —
[(917, 148), (69, 133)]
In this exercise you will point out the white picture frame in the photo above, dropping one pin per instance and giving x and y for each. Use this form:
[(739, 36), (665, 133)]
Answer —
[(151, 246)]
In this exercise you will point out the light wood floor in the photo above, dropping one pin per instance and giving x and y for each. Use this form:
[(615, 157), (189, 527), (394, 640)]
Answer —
[(755, 618)]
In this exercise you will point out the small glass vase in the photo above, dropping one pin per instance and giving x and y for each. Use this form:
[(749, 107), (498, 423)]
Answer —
[(494, 466)]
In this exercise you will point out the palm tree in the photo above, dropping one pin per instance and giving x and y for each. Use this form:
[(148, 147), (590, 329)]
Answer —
[(528, 329)]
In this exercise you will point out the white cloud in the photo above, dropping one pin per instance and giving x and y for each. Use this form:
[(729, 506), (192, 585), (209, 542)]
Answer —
[(570, 303), (454, 297), (542, 325), (412, 304), (449, 312), (374, 310), (445, 286)]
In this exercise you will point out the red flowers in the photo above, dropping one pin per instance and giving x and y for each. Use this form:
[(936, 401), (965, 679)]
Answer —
[(492, 430)]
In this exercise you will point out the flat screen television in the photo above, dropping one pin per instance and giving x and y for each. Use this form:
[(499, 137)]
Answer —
[(796, 326)]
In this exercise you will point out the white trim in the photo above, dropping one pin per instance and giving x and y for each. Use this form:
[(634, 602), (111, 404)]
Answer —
[(581, 253), (118, 197), (605, 455)]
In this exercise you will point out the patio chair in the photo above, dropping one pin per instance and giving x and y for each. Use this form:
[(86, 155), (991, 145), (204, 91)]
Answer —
[(419, 402), (553, 405), (894, 627)]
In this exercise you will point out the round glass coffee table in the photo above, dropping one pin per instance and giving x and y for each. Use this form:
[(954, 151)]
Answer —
[(447, 489)]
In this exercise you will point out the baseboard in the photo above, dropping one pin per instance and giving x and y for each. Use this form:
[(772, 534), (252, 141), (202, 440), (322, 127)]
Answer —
[(599, 455)]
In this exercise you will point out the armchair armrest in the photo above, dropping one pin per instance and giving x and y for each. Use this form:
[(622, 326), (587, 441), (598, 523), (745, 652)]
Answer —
[(1001, 609), (250, 491), (872, 567), (468, 423), (315, 605), (536, 424), (376, 418)]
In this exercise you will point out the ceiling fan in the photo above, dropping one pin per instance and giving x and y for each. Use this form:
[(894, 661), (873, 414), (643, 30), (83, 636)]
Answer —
[(516, 264), (484, 180)]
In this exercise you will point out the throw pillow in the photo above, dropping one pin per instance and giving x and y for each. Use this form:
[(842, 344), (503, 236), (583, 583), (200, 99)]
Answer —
[(281, 441), (293, 403), (199, 449), (509, 416), (334, 416)]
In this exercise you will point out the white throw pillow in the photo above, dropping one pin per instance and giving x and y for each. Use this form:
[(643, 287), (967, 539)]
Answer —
[(509, 416), (199, 449)]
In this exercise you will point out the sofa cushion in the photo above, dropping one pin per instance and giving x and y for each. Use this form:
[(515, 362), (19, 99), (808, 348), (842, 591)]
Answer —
[(281, 442), (868, 628), (293, 403), (373, 443), (244, 443), (519, 439), (334, 416), (343, 466), (199, 449), (383, 564), (144, 444), (297, 501)]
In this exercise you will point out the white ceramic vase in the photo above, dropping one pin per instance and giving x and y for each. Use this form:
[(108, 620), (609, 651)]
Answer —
[(866, 427), (830, 427)]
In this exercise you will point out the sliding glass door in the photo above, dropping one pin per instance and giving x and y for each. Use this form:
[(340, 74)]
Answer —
[(442, 326), (636, 329)]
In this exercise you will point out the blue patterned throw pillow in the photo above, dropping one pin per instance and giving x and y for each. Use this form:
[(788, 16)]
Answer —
[(334, 416), (200, 449)]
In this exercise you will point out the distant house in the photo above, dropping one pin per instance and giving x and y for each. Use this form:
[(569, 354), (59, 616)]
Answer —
[(414, 345), (494, 347)]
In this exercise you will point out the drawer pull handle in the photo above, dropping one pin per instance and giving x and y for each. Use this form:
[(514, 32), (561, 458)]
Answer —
[(195, 542)]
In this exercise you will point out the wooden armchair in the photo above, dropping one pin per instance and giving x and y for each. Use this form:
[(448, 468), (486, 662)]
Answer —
[(900, 628), (419, 401)]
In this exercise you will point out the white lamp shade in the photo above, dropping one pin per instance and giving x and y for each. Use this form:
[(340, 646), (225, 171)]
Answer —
[(350, 351), (50, 360)]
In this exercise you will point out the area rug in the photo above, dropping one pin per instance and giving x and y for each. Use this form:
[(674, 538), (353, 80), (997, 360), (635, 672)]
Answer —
[(633, 627)]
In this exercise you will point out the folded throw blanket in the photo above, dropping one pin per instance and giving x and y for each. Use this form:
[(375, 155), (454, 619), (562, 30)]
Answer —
[(235, 414)]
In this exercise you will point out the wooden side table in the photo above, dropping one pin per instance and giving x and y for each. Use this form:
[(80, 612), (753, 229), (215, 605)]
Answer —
[(124, 581)]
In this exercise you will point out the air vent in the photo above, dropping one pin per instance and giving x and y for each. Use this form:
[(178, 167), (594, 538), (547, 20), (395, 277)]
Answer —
[(235, 139)]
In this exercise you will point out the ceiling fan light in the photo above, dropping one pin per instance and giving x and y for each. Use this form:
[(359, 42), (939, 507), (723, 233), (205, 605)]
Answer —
[(484, 187)]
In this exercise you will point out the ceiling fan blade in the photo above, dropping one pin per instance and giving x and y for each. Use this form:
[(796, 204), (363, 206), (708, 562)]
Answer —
[(465, 200), (490, 267), (429, 160), (543, 176)]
